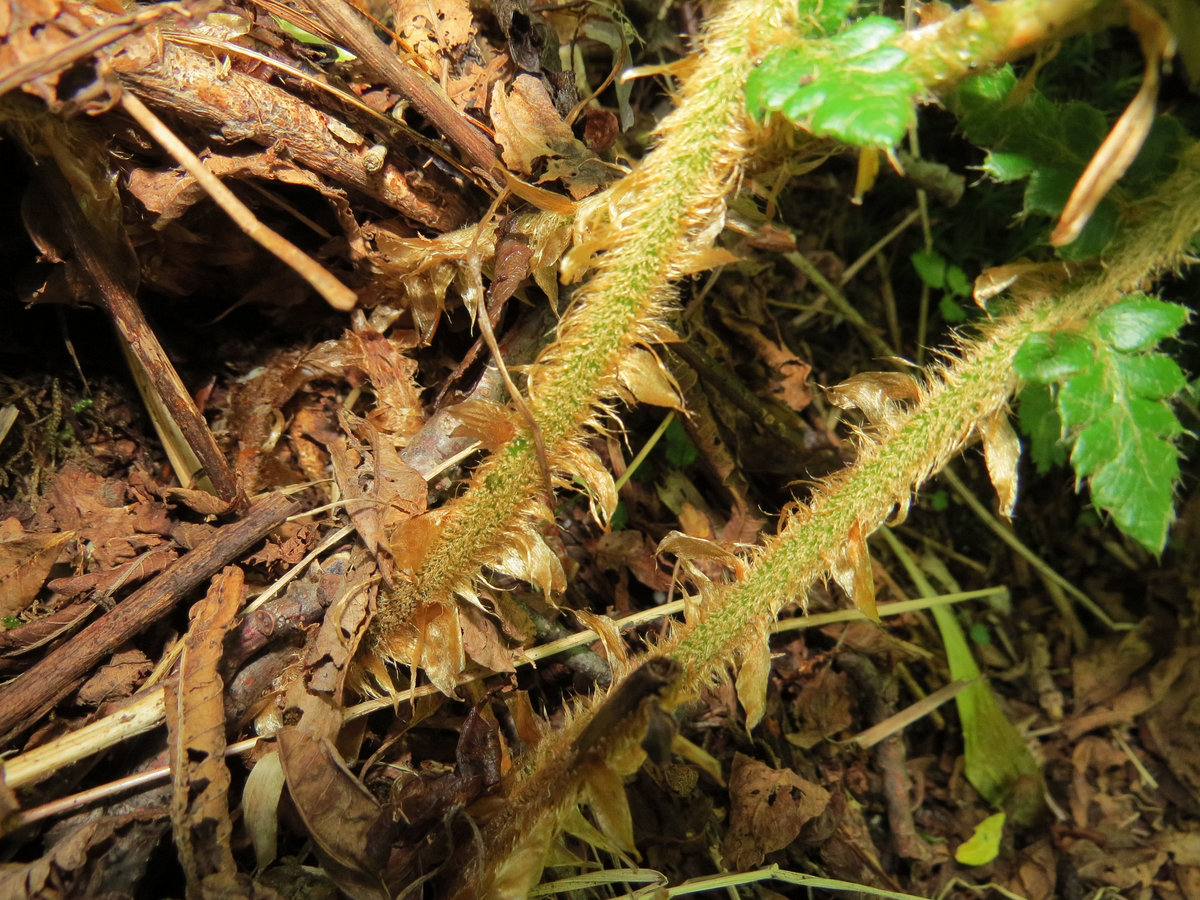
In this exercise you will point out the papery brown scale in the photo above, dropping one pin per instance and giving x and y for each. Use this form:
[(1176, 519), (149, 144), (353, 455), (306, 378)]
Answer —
[(1002, 452)]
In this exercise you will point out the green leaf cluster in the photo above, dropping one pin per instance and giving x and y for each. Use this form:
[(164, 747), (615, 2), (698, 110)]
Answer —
[(1029, 137), (940, 274), (1103, 391), (851, 86)]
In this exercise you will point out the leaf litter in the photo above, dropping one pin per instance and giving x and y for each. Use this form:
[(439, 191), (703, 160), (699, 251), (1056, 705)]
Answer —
[(339, 410)]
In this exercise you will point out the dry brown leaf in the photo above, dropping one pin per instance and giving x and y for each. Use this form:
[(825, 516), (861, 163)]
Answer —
[(1172, 725), (432, 27), (1037, 874), (398, 412), (1107, 667), (768, 807), (1144, 693), (530, 131), (25, 561), (118, 678), (327, 659), (528, 127), (354, 474), (584, 175), (823, 705), (43, 629), (76, 866), (316, 694), (1002, 452), (631, 549), (350, 830), (195, 708), (695, 522), (169, 193), (38, 29), (787, 372), (116, 521)]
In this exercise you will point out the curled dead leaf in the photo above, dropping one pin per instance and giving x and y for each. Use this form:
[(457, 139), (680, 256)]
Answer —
[(768, 807)]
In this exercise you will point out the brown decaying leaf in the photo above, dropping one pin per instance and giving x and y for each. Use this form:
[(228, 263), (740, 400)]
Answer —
[(1171, 725), (169, 193), (482, 640), (36, 30), (42, 630), (432, 29), (529, 130), (787, 372), (1144, 693), (1108, 666), (260, 805), (116, 519), (76, 866), (528, 127), (25, 561), (317, 696), (196, 726), (117, 678), (382, 490), (823, 706), (768, 807), (351, 832)]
